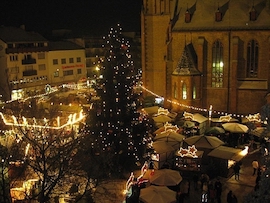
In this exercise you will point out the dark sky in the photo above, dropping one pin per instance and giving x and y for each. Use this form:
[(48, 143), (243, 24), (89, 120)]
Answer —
[(82, 16)]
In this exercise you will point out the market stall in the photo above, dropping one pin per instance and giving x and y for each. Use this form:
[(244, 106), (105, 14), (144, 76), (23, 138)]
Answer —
[(225, 157), (188, 159)]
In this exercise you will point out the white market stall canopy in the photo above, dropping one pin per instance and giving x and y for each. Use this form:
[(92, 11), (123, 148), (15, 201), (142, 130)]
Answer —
[(151, 110), (199, 118), (228, 153)]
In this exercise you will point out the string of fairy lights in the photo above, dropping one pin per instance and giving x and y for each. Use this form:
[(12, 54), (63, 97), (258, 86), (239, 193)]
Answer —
[(210, 110), (85, 86)]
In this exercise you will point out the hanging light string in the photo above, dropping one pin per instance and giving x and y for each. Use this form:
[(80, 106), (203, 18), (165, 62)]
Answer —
[(255, 117)]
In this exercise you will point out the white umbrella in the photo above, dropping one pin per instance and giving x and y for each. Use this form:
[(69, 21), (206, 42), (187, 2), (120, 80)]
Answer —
[(188, 124), (162, 118), (215, 130), (162, 147), (157, 194), (203, 141), (169, 136), (172, 138), (259, 131), (235, 127), (166, 177)]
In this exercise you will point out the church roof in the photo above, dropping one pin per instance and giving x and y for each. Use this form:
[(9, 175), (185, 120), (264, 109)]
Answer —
[(235, 15), (187, 63)]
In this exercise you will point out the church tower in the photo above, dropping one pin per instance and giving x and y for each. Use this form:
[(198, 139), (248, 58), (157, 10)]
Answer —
[(155, 20)]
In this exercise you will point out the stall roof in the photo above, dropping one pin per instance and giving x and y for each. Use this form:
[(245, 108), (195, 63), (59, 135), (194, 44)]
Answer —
[(228, 153), (199, 118), (151, 110)]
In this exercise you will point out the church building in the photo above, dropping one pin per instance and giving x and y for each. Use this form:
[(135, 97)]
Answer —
[(202, 53)]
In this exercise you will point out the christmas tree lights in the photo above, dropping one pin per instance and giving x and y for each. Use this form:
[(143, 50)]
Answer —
[(117, 128)]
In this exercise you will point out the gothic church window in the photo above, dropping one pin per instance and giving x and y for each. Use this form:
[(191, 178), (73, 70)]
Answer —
[(194, 92), (252, 59), (217, 64), (184, 91), (175, 91)]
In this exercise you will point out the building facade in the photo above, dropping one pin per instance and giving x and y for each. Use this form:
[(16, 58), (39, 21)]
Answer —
[(207, 52), (29, 63)]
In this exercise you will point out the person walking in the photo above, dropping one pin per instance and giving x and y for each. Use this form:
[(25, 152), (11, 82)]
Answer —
[(218, 187), (255, 165), (236, 170), (212, 193), (229, 197)]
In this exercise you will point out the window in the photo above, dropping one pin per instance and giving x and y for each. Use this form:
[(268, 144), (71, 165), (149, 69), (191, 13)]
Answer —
[(41, 55), (40, 44), (217, 65), (27, 57), (27, 68), (175, 90), (71, 60), (78, 59), (55, 61), (67, 72), (14, 70), (63, 61), (194, 92), (41, 67), (184, 91), (13, 57), (79, 71), (252, 59)]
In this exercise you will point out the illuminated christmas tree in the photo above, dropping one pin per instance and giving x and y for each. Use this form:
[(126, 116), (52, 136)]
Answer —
[(116, 129)]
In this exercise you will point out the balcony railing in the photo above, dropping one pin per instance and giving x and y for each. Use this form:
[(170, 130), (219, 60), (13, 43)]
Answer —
[(29, 72), (28, 61)]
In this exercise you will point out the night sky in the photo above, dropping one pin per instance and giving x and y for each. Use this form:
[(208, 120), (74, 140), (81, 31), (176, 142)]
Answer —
[(80, 16)]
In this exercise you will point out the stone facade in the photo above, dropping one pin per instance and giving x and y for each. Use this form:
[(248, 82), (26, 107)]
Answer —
[(231, 42)]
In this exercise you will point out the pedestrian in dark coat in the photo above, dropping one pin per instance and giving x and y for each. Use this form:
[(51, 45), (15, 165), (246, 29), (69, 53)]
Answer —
[(236, 170), (229, 197), (218, 187)]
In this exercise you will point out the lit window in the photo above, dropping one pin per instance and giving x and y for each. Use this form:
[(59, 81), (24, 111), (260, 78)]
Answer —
[(184, 91), (194, 92), (217, 65), (13, 58)]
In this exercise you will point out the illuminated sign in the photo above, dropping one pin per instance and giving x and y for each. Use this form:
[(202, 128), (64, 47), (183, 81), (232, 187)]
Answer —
[(168, 127), (188, 115), (225, 118), (254, 118), (162, 111), (73, 66), (189, 152)]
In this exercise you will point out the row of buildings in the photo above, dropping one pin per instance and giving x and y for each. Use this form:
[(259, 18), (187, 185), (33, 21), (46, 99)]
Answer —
[(196, 53), (199, 53), (31, 64)]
